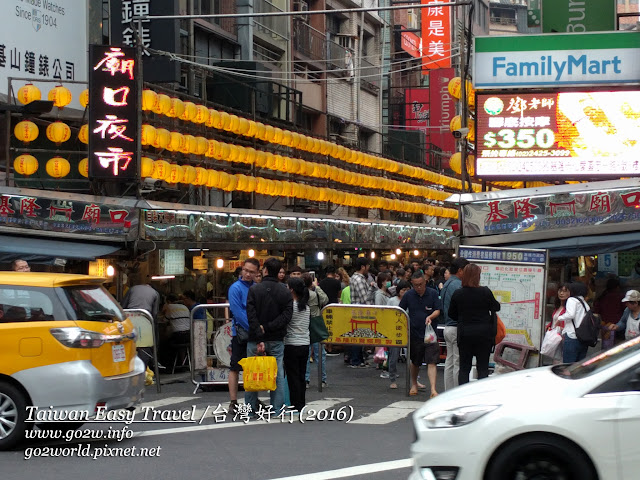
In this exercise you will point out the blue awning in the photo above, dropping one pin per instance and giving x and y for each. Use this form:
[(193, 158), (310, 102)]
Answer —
[(45, 250), (585, 245)]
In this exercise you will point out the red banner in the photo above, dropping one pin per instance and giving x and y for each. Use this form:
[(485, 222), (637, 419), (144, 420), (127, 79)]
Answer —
[(443, 109), (436, 36), (411, 43), (416, 108)]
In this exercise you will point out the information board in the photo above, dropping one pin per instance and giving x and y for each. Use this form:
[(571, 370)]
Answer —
[(366, 325), (520, 288)]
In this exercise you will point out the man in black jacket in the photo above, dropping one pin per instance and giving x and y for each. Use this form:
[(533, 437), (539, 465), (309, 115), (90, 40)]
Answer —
[(269, 310)]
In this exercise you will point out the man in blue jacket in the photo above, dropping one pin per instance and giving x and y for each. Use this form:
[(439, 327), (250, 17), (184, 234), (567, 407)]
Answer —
[(240, 325)]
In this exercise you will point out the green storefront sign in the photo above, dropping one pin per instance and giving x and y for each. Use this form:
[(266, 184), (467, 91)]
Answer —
[(574, 16)]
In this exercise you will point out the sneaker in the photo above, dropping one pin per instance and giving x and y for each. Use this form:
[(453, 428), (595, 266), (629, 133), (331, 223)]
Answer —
[(363, 365), (233, 407), (384, 375), (325, 384), (354, 366), (307, 385)]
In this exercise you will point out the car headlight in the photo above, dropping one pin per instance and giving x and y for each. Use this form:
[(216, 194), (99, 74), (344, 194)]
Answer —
[(457, 417)]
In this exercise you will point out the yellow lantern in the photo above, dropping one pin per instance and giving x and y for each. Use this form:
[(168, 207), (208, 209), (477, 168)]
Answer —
[(83, 167), (146, 167), (223, 152), (149, 100), (190, 145), (261, 159), (455, 124), (26, 131), (201, 176), (175, 173), (148, 136), (224, 180), (215, 119), (454, 87), (232, 185), (161, 170), (83, 134), (325, 147), (277, 135), (269, 133), (234, 122), (84, 98), (58, 132), (58, 167), (60, 96), (163, 138), (25, 165), (28, 93), (250, 155), (189, 112), (188, 174), (212, 148), (176, 108), (163, 105), (225, 119), (176, 142), (243, 126), (202, 145), (271, 161), (202, 114), (251, 184), (286, 138), (234, 153), (213, 178), (471, 135)]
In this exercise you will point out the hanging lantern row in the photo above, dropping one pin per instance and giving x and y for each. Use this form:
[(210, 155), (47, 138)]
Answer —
[(173, 173), (175, 108), (57, 132), (174, 141), (56, 167), (59, 95)]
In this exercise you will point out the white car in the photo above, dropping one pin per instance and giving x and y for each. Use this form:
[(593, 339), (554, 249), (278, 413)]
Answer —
[(566, 422)]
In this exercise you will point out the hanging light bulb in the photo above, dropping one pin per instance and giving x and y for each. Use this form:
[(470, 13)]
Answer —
[(398, 251), (416, 253), (111, 271), (393, 256), (320, 256), (251, 253), (219, 263), (373, 255)]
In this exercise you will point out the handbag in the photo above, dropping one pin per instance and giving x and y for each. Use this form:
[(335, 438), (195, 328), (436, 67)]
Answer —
[(551, 342), (501, 330), (317, 329), (242, 334), (259, 373)]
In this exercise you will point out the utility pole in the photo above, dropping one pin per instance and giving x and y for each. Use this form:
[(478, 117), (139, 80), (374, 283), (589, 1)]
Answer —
[(463, 102)]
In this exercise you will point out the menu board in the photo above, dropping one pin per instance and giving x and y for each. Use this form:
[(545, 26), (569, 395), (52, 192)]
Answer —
[(573, 134), (519, 286), (172, 262)]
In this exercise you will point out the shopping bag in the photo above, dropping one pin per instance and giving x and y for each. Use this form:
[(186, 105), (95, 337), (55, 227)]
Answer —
[(317, 330), (501, 330), (259, 373), (379, 356), (551, 342), (430, 335)]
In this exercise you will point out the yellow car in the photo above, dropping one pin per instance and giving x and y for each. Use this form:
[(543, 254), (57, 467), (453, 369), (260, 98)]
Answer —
[(67, 352)]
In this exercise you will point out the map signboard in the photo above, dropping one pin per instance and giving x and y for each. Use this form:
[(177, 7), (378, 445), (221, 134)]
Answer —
[(517, 278), (366, 325)]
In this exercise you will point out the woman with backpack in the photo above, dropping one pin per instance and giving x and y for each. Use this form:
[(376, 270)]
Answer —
[(576, 308)]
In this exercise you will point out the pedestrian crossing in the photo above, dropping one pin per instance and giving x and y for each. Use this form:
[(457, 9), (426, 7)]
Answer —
[(362, 415)]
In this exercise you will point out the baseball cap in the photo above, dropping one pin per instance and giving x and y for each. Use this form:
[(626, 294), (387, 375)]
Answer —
[(632, 296)]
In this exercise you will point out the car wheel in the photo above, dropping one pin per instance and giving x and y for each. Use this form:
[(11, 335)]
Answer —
[(540, 457), (13, 413), (60, 426)]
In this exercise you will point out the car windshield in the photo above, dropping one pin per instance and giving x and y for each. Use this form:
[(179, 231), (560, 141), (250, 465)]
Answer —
[(601, 361), (93, 303)]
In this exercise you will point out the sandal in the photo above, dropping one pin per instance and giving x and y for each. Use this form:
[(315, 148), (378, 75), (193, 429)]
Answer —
[(434, 394), (393, 386), (421, 386), (413, 392)]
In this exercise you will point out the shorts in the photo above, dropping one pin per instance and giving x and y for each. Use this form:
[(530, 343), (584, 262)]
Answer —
[(424, 353), (238, 352)]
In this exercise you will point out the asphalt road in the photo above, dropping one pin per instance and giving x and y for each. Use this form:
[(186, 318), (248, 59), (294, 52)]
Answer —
[(374, 444)]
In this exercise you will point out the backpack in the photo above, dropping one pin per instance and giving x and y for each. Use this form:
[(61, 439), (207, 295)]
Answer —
[(589, 329)]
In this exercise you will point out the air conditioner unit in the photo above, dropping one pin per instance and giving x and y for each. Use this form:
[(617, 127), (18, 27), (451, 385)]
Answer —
[(300, 7)]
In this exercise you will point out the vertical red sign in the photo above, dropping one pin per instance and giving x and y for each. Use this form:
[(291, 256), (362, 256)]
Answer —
[(443, 109), (416, 108), (436, 36), (113, 113)]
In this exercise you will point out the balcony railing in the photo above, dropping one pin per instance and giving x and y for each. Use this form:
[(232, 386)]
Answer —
[(277, 27), (308, 41), (338, 58), (369, 75)]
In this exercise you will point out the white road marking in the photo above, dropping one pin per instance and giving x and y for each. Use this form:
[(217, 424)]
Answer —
[(353, 471), (390, 413), (163, 402)]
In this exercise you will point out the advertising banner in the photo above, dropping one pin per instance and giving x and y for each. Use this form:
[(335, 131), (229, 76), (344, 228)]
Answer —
[(575, 16), (417, 108), (576, 134), (555, 60), (443, 109), (366, 325), (44, 40), (411, 43), (436, 36)]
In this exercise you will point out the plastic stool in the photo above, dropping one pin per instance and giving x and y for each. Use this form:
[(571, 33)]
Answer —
[(524, 350), (182, 348)]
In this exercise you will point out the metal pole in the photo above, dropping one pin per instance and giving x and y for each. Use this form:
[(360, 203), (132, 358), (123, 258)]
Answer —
[(140, 86), (463, 102)]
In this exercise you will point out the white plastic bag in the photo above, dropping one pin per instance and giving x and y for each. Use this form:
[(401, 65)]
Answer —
[(551, 342), (430, 335)]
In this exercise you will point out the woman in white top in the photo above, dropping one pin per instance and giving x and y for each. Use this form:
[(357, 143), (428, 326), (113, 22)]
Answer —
[(394, 352), (296, 343), (576, 307)]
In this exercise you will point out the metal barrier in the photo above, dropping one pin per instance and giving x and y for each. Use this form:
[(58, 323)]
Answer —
[(202, 350), (146, 335)]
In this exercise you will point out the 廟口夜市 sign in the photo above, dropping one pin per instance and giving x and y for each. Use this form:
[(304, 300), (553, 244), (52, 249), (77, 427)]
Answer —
[(557, 59), (366, 325), (598, 210)]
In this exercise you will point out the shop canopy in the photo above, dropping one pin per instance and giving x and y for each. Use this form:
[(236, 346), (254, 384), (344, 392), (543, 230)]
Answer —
[(45, 250)]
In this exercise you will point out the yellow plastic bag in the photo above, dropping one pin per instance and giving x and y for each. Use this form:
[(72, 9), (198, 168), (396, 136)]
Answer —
[(259, 373), (148, 377)]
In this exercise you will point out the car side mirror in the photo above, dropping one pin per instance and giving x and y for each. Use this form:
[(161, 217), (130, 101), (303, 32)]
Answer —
[(634, 382)]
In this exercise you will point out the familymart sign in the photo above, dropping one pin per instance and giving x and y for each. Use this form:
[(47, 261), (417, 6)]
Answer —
[(557, 59)]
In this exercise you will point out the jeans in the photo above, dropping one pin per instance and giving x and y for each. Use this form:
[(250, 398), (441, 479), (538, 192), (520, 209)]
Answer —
[(452, 363), (394, 354), (355, 353), (573, 350), (273, 348), (314, 348)]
